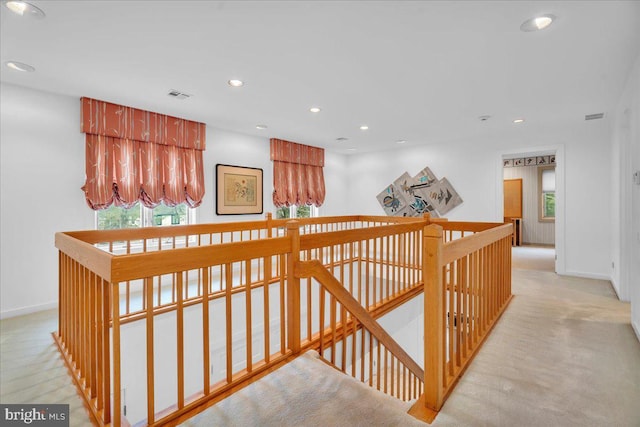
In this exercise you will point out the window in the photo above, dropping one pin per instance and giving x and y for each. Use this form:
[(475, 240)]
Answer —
[(547, 193), (304, 211), (116, 217)]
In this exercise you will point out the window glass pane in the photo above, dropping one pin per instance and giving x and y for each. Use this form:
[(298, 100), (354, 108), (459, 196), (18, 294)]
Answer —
[(303, 211), (548, 180), (549, 205), (283, 213), (116, 217), (164, 215)]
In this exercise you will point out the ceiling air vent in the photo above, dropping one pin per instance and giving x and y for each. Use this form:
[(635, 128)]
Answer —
[(177, 94), (594, 116)]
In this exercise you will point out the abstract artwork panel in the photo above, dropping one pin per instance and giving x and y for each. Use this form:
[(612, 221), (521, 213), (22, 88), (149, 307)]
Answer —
[(416, 201), (443, 196), (414, 196), (391, 200)]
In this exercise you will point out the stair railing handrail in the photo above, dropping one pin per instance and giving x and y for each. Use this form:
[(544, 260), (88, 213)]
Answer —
[(316, 270)]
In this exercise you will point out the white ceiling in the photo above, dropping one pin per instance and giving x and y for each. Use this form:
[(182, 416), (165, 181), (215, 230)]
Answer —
[(419, 71)]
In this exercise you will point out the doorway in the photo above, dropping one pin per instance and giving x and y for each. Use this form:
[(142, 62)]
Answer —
[(542, 233)]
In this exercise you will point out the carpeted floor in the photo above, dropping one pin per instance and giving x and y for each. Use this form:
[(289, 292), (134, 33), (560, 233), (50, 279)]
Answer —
[(541, 258)]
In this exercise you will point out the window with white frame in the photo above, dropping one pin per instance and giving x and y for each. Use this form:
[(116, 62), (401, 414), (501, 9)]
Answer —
[(116, 217), (547, 193), (304, 211)]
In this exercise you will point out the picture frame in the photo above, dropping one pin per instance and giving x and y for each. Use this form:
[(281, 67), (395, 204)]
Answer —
[(239, 190)]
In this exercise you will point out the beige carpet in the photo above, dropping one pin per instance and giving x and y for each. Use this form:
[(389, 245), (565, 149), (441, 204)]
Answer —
[(563, 354), (307, 392), (540, 258)]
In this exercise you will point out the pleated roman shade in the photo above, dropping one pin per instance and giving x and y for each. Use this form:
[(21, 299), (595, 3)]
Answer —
[(135, 155), (298, 177)]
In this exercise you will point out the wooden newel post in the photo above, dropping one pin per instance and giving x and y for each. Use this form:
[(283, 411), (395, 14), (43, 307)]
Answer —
[(293, 289), (433, 316)]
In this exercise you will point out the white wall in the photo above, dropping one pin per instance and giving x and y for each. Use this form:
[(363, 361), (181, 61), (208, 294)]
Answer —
[(232, 148), (474, 169), (370, 173), (42, 170), (625, 197)]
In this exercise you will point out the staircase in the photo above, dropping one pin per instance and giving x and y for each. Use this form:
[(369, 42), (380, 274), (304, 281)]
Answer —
[(307, 392)]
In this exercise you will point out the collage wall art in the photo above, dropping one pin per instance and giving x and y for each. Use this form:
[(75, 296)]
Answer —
[(414, 196)]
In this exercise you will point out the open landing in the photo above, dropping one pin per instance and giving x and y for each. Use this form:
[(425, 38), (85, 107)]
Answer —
[(563, 354)]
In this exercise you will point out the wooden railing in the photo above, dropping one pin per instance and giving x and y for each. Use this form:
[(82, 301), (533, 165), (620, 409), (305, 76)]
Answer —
[(467, 287), (351, 340), (202, 310)]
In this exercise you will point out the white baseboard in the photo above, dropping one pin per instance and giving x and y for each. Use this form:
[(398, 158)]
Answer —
[(636, 329), (28, 310), (587, 275)]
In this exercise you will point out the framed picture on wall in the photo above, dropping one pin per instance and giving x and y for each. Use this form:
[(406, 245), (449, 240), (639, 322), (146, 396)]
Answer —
[(238, 190)]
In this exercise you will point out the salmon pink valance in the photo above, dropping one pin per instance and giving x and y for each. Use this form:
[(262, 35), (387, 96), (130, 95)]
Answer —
[(117, 121), (134, 155), (298, 178)]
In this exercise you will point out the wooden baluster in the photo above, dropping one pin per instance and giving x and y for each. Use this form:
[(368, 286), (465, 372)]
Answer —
[(148, 289), (117, 381), (228, 285), (387, 259), (367, 281), (265, 310), (332, 323), (321, 293), (359, 275), (93, 319), (180, 336), (293, 288), (354, 329), (375, 263), (248, 324), (206, 340), (309, 310), (283, 324), (343, 322)]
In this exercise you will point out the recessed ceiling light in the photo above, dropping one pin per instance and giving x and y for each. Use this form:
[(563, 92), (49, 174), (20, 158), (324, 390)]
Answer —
[(364, 127), (235, 83), (315, 109), (538, 23), (342, 139), (261, 127), (400, 141), (19, 66), (518, 121), (23, 8)]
